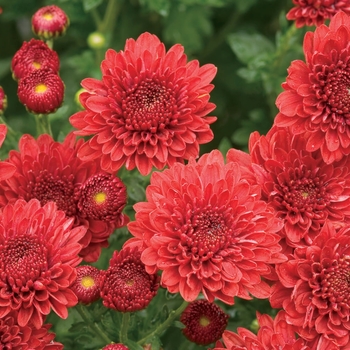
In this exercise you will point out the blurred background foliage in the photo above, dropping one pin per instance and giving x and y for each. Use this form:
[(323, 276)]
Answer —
[(250, 42)]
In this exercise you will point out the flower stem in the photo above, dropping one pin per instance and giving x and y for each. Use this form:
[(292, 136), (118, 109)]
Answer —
[(123, 333), (42, 124), (88, 319), (162, 327)]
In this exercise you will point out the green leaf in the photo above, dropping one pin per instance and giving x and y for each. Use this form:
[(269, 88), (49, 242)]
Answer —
[(160, 6), (224, 145), (90, 4), (244, 5)]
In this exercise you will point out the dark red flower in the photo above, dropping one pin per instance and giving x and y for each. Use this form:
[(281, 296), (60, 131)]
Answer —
[(50, 171), (315, 12), (204, 322), (87, 284), (206, 228), (38, 254), (49, 22), (3, 101), (114, 346), (34, 55), (272, 334), (316, 99), (314, 290), (41, 91), (149, 109), (126, 286)]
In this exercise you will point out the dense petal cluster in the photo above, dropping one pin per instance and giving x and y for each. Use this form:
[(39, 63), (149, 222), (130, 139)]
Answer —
[(39, 250), (115, 346), (49, 22), (206, 228), (316, 99), (51, 171), (125, 285), (204, 322), (313, 289), (3, 101), (150, 109), (31, 56), (315, 12)]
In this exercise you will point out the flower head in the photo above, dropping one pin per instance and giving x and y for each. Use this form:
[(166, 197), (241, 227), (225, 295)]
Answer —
[(50, 171), (315, 12), (204, 322), (149, 109), (3, 101), (49, 22), (87, 284), (41, 91), (115, 346), (126, 286), (38, 254), (34, 55), (316, 99), (206, 228)]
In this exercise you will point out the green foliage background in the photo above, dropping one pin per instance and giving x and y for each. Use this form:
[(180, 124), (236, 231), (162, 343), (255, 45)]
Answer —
[(250, 42)]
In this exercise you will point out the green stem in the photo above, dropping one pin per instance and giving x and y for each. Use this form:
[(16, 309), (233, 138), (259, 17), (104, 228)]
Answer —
[(110, 17), (96, 17), (123, 333), (42, 124), (88, 319), (168, 322)]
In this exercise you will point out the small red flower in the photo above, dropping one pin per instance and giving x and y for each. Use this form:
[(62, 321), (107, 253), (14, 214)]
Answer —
[(150, 109), (41, 92), (34, 55), (50, 22), (315, 12), (87, 284), (204, 322), (206, 228), (126, 286), (38, 254), (316, 99), (114, 346), (3, 101)]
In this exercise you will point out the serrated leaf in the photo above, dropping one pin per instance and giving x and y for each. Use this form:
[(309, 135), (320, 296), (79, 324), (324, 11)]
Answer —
[(90, 4)]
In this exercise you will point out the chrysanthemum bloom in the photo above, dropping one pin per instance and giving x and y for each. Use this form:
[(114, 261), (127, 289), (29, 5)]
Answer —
[(15, 337), (313, 288), (206, 228), (38, 254), (315, 12), (125, 285), (272, 334), (114, 346), (34, 55), (41, 92), (316, 97), (303, 189), (3, 101), (50, 171), (50, 22), (87, 284), (149, 109), (204, 322)]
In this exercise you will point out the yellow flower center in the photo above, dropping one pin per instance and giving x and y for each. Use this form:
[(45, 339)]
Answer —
[(87, 282), (36, 65), (100, 197), (48, 16), (204, 321), (40, 88)]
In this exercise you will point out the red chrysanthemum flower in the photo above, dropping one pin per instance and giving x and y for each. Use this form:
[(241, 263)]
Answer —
[(34, 55), (16, 337), (114, 346), (315, 12), (87, 284), (50, 22), (204, 322), (6, 169), (125, 285), (314, 290), (205, 226), (303, 189), (38, 254), (149, 109), (51, 171), (316, 97), (3, 101), (272, 334), (41, 92)]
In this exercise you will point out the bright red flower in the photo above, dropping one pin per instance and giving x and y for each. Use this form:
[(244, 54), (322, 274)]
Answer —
[(126, 286), (204, 322), (149, 109), (314, 290), (316, 97), (303, 189), (3, 101), (206, 228), (115, 346), (49, 22), (39, 250), (272, 334), (315, 12), (51, 171), (34, 55)]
